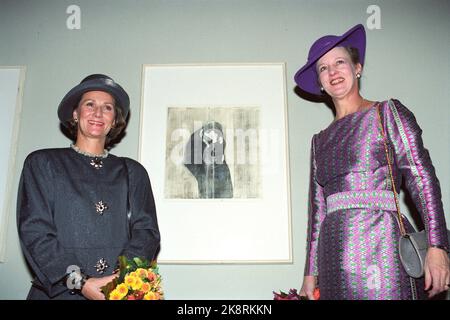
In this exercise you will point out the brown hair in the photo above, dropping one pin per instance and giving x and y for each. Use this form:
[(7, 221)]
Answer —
[(354, 54), (120, 124)]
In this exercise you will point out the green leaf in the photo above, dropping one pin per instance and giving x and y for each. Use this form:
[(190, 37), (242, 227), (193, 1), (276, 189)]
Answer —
[(138, 262), (110, 286), (123, 268)]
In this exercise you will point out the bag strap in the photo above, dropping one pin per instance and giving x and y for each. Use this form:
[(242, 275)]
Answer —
[(397, 206)]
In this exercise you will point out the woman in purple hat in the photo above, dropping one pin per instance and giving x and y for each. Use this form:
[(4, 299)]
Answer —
[(80, 208), (353, 233)]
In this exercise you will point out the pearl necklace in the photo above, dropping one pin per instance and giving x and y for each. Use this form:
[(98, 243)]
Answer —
[(87, 154)]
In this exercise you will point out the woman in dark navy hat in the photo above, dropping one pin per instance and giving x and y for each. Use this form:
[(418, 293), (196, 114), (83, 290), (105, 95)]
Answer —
[(353, 232), (81, 207)]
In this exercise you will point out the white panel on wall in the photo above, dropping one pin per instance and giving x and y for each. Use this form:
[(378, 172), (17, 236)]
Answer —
[(11, 87), (242, 227)]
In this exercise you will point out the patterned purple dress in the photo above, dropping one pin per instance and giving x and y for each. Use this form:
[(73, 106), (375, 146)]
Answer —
[(353, 233)]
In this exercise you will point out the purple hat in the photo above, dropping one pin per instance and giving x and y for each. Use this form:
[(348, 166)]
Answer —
[(306, 77), (93, 82)]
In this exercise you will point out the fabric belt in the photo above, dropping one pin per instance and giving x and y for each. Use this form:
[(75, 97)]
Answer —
[(374, 199)]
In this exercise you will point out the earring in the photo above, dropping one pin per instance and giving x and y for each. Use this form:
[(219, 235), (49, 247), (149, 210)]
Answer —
[(75, 119), (358, 75), (322, 89)]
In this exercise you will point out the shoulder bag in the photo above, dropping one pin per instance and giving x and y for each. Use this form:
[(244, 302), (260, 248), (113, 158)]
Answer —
[(413, 246)]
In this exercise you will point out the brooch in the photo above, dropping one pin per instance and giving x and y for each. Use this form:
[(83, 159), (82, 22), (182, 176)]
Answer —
[(101, 266), (96, 163), (100, 207)]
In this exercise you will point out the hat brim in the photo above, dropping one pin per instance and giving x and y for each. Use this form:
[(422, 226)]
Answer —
[(72, 98), (307, 78)]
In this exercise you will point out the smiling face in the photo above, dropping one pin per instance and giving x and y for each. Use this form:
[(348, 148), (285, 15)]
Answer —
[(337, 73), (95, 114)]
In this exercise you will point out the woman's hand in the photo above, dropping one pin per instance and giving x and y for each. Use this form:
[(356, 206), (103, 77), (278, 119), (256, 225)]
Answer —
[(437, 274), (309, 284), (92, 288)]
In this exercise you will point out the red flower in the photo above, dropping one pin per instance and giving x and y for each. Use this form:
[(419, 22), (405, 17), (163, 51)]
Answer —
[(139, 295), (316, 294), (293, 295)]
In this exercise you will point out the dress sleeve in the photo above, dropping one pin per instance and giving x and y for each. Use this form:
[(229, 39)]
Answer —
[(316, 214), (37, 231), (414, 162), (144, 232)]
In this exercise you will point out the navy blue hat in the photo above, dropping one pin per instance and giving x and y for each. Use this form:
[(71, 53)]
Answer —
[(93, 82)]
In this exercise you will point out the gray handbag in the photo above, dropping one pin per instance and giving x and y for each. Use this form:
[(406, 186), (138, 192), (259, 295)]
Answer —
[(413, 246), (413, 249)]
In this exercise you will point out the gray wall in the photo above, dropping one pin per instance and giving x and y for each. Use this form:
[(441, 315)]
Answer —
[(408, 58)]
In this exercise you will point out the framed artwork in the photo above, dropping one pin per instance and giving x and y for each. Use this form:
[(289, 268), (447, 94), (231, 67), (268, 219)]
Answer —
[(11, 89), (213, 139)]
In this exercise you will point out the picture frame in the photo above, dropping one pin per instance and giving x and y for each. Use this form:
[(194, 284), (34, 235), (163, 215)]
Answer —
[(11, 91), (213, 138)]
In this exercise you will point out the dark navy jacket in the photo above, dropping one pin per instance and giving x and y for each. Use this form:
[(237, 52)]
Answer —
[(60, 221)]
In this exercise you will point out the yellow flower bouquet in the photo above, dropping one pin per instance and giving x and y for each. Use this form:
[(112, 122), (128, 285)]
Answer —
[(138, 279)]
